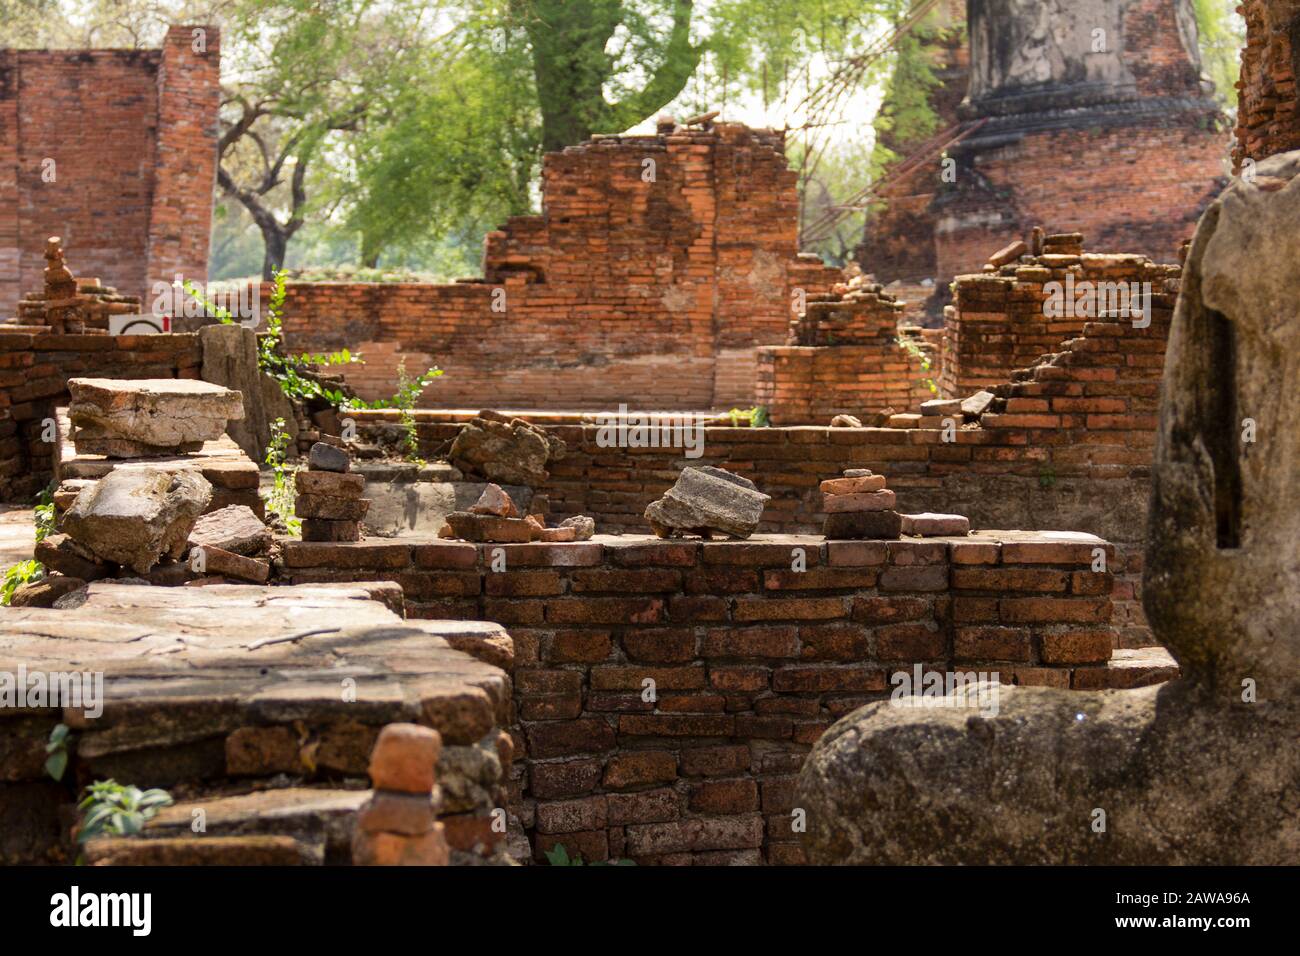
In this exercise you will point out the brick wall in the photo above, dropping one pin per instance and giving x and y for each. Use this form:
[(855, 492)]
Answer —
[(132, 136), (998, 321), (34, 373), (750, 662), (1267, 119), (843, 357), (658, 265)]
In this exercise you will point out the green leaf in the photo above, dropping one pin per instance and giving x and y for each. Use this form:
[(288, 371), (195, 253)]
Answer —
[(56, 763)]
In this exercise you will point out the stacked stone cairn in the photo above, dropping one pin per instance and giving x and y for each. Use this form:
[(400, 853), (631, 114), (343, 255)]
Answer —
[(68, 305), (495, 519), (329, 498), (859, 506), (398, 827)]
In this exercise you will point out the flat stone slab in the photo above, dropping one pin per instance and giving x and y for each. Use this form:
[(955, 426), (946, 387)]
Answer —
[(125, 418), (185, 665)]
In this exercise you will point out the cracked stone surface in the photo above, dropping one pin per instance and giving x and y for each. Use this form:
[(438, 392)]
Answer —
[(124, 418)]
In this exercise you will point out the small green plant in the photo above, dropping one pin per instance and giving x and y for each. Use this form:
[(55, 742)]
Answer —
[(24, 572), (559, 856), (922, 358), (408, 393), (286, 369), (280, 499), (43, 515), (755, 417), (56, 760), (111, 808), (1047, 478)]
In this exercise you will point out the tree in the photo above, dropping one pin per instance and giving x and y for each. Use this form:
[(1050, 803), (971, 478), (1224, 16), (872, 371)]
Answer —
[(580, 46)]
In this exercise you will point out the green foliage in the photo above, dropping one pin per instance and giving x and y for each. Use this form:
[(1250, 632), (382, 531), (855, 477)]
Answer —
[(24, 572), (1222, 35), (921, 358), (755, 417), (408, 393), (43, 515), (1047, 478), (288, 369), (280, 499), (57, 749), (559, 856), (110, 808)]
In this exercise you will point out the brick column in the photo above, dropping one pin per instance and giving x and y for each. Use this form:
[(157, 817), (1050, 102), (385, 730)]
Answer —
[(189, 93)]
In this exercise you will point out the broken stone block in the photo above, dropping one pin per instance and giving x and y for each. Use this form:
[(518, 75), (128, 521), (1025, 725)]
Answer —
[(557, 534), (846, 421), (332, 509), (977, 403), (216, 560), (513, 452), (322, 529), (494, 501), (941, 407), (858, 472), (404, 758), (1008, 254), (490, 528), (705, 500), (327, 457), (583, 525), (863, 501), (871, 525), (45, 592), (853, 486), (60, 553), (127, 418), (234, 528), (929, 525), (332, 483), (134, 516)]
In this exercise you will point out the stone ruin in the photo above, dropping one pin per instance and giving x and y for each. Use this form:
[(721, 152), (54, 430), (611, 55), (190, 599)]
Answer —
[(1203, 770), (67, 305)]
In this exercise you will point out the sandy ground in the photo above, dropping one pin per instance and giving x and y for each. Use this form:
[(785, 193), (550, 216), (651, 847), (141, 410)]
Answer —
[(17, 534)]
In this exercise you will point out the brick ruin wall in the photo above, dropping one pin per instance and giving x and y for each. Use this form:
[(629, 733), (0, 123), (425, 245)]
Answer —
[(750, 662), (34, 373), (658, 266), (1268, 121), (115, 151)]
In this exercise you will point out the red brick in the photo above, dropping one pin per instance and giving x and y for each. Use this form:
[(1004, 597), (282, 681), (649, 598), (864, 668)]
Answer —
[(640, 768), (666, 645), (579, 647), (749, 642), (725, 796)]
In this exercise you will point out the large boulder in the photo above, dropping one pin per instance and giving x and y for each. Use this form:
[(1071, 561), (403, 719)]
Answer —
[(133, 516), (706, 500), (508, 451), (127, 418), (1205, 769)]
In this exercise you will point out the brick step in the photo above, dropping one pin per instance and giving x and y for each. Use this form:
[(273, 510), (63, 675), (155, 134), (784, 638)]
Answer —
[(1128, 668)]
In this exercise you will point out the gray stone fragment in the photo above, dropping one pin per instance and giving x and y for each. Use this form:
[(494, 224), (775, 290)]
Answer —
[(585, 526), (509, 452), (705, 500), (134, 516), (234, 528), (327, 457), (977, 403)]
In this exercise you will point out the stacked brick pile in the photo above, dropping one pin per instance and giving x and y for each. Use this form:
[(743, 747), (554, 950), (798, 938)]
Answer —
[(329, 498), (71, 305), (998, 323), (843, 358), (397, 826), (859, 505)]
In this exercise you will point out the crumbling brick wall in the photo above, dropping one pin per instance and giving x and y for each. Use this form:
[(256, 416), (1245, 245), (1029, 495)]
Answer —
[(115, 151), (658, 265), (1267, 119), (750, 662)]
